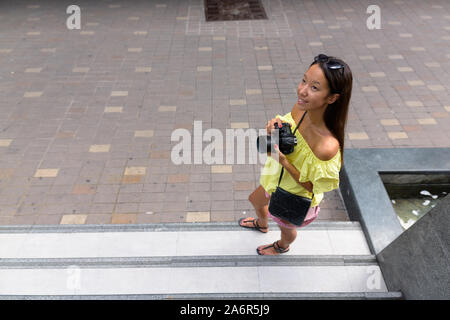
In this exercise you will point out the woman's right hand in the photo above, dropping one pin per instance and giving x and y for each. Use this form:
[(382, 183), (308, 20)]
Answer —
[(271, 125)]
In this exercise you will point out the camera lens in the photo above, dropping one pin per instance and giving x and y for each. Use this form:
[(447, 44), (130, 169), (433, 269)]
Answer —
[(264, 144)]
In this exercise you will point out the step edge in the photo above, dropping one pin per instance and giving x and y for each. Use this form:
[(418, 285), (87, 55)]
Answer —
[(164, 227), (188, 261), (392, 295)]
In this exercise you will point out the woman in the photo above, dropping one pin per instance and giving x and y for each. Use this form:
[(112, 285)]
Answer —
[(323, 99)]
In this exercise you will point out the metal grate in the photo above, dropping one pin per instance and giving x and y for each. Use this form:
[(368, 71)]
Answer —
[(226, 10)]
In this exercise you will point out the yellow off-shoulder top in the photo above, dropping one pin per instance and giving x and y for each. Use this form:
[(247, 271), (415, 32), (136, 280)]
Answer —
[(324, 175)]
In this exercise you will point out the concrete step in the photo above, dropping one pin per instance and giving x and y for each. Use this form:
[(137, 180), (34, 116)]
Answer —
[(186, 261), (173, 240), (120, 280)]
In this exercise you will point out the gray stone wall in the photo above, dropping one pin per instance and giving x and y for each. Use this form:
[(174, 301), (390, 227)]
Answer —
[(418, 261)]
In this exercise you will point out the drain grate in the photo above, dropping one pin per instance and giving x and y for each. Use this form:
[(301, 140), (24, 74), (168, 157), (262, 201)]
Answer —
[(226, 10)]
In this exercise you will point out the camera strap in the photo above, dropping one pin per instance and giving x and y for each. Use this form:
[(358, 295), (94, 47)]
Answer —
[(282, 168)]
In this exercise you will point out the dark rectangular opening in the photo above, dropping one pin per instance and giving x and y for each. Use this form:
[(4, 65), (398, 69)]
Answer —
[(232, 10)]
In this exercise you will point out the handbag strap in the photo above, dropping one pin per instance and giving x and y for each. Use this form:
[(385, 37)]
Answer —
[(282, 168)]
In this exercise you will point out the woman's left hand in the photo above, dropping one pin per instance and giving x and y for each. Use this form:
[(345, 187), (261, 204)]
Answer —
[(279, 156)]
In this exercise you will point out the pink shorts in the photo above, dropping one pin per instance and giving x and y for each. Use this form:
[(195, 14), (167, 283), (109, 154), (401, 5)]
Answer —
[(312, 214)]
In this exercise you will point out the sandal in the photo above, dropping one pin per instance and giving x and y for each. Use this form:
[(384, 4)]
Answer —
[(274, 245), (255, 225)]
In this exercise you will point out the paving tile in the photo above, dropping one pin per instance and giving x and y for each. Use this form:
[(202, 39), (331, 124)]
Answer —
[(135, 171), (221, 169), (414, 103), (74, 219), (358, 136), (198, 217), (252, 91), (432, 64), (80, 69), (178, 178), (32, 94), (46, 173), (123, 218), (389, 122), (397, 135), (239, 125), (436, 87), (405, 69), (119, 93), (50, 50), (143, 133), (33, 70), (377, 74), (143, 69), (416, 83), (99, 148), (113, 109), (427, 121), (204, 68), (370, 89), (238, 102), (5, 142), (167, 108), (83, 189), (130, 179), (134, 49)]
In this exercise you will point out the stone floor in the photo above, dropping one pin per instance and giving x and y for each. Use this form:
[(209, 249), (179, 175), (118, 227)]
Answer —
[(86, 116)]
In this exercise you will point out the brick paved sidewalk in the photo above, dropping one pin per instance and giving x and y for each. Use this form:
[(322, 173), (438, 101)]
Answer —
[(86, 115)]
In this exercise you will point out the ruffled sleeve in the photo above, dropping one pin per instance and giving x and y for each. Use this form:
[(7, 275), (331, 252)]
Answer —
[(324, 175)]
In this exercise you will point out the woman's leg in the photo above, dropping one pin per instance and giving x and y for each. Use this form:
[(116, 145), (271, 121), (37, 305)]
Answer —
[(288, 236), (261, 204)]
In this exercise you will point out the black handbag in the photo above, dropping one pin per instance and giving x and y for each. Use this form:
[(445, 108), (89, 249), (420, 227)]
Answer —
[(287, 206)]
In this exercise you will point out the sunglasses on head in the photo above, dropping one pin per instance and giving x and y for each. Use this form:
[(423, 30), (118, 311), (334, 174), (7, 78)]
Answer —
[(330, 63)]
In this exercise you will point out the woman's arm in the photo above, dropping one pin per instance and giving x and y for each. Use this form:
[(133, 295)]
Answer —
[(282, 159), (295, 174)]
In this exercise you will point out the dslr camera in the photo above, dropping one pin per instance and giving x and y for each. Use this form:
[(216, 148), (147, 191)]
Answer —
[(287, 140)]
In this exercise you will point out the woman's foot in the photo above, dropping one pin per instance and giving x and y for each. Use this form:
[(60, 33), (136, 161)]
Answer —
[(271, 249), (252, 223)]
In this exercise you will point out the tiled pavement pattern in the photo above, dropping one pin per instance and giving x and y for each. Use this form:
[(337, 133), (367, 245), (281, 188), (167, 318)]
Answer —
[(86, 115)]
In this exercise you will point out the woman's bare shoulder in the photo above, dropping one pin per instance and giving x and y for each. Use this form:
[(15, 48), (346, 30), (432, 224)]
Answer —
[(327, 147)]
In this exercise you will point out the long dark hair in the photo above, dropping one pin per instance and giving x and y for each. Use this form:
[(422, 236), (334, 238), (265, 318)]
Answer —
[(335, 116)]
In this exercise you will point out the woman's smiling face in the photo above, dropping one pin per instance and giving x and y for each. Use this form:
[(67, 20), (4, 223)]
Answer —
[(313, 90)]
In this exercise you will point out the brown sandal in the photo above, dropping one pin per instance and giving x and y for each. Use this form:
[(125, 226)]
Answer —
[(255, 225), (274, 245)]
